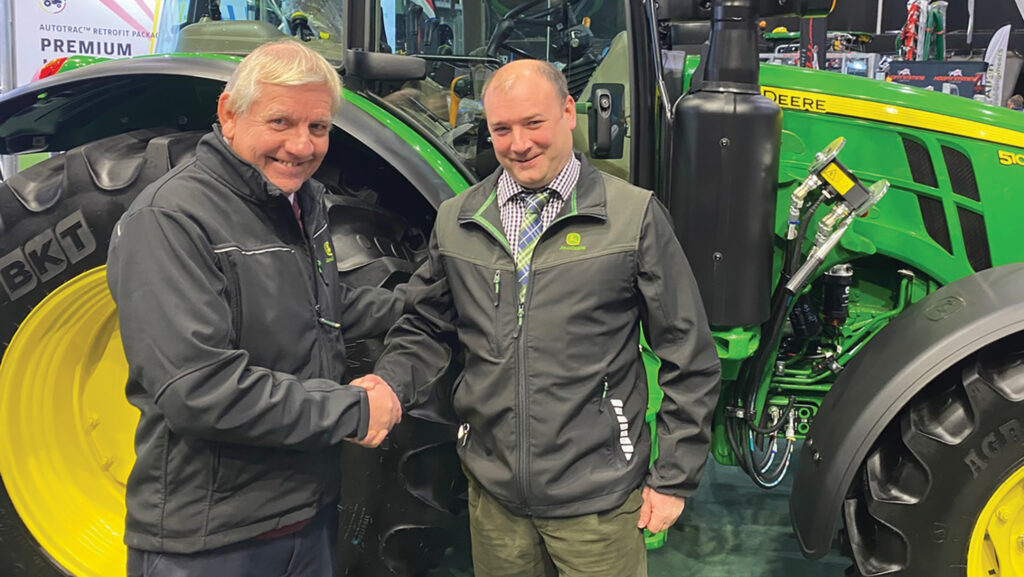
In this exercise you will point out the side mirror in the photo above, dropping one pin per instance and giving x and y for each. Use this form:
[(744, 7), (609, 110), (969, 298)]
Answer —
[(684, 10), (380, 66), (607, 127)]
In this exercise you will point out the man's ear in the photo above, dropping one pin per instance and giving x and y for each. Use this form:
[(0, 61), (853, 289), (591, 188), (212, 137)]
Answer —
[(226, 116), (570, 112)]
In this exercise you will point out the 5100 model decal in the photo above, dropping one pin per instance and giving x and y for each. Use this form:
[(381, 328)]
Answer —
[(1006, 157)]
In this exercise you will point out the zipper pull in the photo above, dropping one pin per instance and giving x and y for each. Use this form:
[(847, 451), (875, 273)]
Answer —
[(320, 318), (331, 324), (604, 395), (463, 434), (497, 287), (519, 315), (320, 270)]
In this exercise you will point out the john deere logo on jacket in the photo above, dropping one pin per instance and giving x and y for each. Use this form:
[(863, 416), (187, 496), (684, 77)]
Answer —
[(573, 242)]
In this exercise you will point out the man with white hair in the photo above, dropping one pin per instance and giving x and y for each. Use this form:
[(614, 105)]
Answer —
[(233, 321)]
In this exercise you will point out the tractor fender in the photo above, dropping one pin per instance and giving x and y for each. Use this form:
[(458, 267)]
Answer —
[(111, 97), (23, 97), (928, 338)]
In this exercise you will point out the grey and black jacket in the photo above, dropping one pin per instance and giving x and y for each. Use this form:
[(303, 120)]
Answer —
[(233, 324), (553, 396)]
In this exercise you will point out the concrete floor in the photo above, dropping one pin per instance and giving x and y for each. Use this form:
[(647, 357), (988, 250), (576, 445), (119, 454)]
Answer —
[(730, 529)]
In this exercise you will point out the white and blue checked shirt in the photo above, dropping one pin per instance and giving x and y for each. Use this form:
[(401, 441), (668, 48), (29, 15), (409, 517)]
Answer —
[(512, 207)]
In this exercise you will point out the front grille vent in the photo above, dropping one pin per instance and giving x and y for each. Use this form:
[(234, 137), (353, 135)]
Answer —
[(961, 173), (921, 168), (975, 239), (935, 221)]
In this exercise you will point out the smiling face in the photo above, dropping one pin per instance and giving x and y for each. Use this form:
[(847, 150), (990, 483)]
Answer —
[(284, 133), (531, 128)]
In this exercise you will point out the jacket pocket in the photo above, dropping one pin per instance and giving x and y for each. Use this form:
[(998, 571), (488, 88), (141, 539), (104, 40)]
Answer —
[(234, 295), (239, 467), (621, 443)]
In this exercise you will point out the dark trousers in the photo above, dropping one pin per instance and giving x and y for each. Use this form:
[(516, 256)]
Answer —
[(598, 545), (306, 553)]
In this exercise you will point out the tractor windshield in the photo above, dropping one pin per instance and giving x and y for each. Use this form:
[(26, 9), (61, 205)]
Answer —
[(464, 41), (238, 26)]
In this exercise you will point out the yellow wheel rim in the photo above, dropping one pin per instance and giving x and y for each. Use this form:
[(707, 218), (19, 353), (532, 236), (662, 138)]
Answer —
[(997, 542), (66, 428)]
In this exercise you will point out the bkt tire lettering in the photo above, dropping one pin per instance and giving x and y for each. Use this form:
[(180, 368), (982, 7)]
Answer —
[(46, 255)]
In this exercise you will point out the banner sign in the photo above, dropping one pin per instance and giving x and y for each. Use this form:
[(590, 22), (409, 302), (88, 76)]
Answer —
[(49, 29), (995, 57), (963, 78)]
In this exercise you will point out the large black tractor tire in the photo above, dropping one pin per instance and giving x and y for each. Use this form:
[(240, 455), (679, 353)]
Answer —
[(399, 501), (56, 219), (941, 489)]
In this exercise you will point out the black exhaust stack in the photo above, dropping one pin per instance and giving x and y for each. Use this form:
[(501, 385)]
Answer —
[(723, 181)]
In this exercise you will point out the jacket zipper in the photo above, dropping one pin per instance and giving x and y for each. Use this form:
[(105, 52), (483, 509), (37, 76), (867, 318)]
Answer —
[(604, 395), (523, 478), (316, 270), (522, 423), (521, 481), (307, 244)]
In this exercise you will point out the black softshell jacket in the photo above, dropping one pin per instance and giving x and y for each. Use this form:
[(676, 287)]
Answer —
[(233, 324), (553, 396)]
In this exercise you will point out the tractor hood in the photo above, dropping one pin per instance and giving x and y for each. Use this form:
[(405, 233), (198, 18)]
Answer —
[(822, 92)]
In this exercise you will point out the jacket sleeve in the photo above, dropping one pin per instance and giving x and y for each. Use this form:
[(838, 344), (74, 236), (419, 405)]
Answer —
[(369, 312), (419, 348), (677, 329), (176, 326)]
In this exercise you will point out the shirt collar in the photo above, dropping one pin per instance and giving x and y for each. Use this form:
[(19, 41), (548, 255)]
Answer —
[(563, 183)]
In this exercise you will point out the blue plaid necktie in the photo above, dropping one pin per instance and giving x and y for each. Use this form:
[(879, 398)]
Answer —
[(529, 232)]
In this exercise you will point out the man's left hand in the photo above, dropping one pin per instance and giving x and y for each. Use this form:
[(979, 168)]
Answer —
[(659, 511)]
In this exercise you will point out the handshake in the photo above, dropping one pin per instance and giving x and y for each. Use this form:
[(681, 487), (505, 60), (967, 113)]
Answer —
[(385, 409)]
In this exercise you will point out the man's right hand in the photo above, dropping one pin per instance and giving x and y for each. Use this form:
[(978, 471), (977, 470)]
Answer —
[(385, 409)]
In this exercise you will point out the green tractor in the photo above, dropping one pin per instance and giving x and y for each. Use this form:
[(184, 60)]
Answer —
[(866, 294)]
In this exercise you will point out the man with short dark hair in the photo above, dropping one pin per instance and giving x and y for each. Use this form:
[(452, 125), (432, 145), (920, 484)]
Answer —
[(544, 273), (233, 321)]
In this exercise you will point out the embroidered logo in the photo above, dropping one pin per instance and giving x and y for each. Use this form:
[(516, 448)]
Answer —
[(328, 251), (573, 241)]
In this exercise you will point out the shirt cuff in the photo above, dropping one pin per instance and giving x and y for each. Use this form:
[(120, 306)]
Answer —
[(364, 414)]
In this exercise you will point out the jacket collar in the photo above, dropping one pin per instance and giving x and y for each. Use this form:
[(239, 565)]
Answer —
[(588, 198), (242, 177)]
